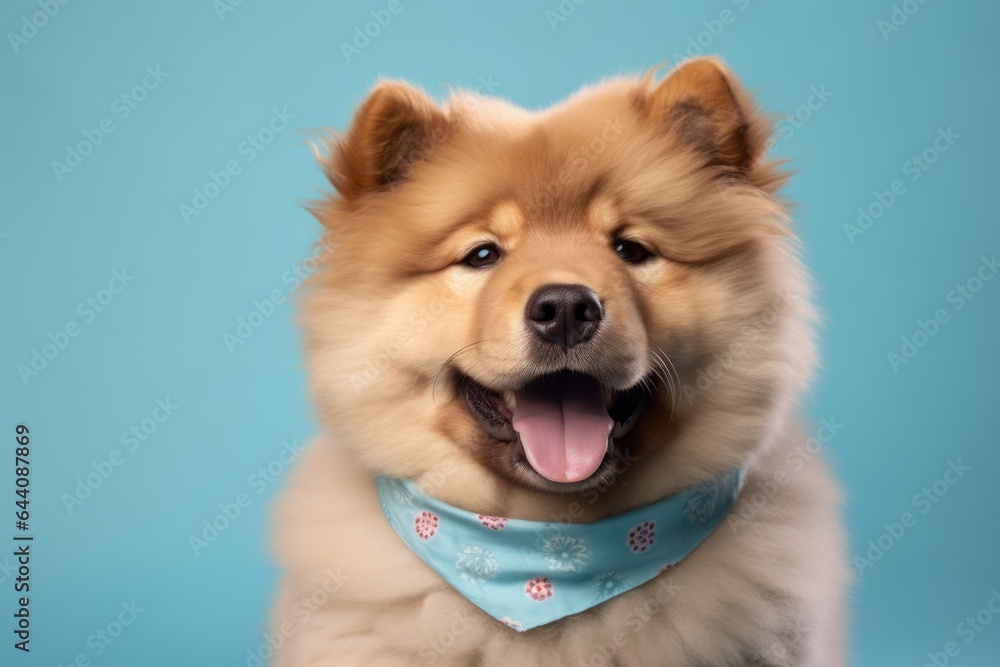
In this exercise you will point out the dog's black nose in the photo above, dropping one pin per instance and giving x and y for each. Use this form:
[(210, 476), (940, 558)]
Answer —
[(565, 315)]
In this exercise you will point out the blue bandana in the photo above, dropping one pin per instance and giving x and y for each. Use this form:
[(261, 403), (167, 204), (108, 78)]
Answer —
[(529, 573)]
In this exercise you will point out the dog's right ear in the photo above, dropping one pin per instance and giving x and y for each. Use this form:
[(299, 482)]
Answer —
[(394, 127)]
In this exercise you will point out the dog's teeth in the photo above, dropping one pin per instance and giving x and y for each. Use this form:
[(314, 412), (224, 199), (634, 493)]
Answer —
[(508, 398), (619, 429), (609, 397)]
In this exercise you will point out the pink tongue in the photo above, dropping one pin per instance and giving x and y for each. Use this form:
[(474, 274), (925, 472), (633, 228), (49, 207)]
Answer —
[(564, 428)]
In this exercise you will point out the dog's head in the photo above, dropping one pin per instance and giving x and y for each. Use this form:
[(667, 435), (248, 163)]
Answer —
[(604, 290)]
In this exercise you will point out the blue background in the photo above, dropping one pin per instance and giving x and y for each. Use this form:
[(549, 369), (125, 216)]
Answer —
[(163, 335)]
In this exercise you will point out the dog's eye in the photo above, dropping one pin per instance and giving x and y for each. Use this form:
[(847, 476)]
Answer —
[(482, 256), (630, 251)]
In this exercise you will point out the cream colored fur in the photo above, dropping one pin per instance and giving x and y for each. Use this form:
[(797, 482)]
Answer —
[(392, 312)]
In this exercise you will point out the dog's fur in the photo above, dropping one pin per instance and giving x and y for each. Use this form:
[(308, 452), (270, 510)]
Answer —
[(394, 320)]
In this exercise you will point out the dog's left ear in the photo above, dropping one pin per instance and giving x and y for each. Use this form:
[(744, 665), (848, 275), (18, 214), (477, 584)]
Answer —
[(394, 127), (702, 103)]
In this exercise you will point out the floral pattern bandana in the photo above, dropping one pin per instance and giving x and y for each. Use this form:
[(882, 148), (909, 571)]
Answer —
[(529, 573)]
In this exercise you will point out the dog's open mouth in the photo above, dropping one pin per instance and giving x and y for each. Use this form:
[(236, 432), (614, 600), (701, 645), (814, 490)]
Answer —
[(563, 425)]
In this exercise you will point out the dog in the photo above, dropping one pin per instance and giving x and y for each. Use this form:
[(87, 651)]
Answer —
[(560, 319)]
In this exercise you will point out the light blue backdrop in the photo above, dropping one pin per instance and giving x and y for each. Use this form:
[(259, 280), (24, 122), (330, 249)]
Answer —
[(199, 81)]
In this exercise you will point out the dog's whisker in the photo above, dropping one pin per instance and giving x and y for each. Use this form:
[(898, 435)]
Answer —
[(673, 382), (660, 369), (445, 365)]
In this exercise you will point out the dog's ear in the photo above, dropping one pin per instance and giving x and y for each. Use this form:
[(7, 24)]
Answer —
[(394, 127), (702, 103)]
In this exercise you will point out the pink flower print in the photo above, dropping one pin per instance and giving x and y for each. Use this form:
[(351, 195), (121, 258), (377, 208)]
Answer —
[(641, 536), (426, 524), (493, 522), (538, 589)]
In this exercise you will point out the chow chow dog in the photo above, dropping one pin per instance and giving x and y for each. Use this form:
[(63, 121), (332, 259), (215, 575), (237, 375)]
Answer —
[(559, 316)]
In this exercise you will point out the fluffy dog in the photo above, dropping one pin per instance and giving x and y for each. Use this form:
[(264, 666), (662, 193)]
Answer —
[(560, 316)]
